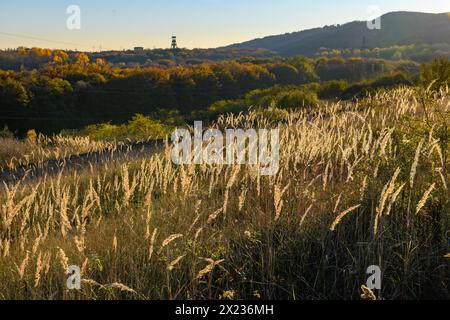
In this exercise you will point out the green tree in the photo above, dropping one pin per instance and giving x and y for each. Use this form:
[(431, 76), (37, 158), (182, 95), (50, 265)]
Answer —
[(285, 73), (305, 69), (12, 92), (82, 59), (60, 56), (332, 89), (436, 73), (297, 99)]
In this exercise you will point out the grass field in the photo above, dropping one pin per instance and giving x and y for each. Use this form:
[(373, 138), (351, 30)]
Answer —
[(37, 149), (360, 183)]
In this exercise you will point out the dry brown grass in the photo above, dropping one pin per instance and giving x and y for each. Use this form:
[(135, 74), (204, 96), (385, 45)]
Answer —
[(341, 201), (15, 153)]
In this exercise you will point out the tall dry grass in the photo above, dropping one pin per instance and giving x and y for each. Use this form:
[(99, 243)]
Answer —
[(359, 184), (15, 153)]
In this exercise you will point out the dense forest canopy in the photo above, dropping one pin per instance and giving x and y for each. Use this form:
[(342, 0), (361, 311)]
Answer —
[(15, 59), (70, 90)]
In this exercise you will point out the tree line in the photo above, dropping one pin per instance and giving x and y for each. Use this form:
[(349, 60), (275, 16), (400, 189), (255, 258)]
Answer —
[(71, 90)]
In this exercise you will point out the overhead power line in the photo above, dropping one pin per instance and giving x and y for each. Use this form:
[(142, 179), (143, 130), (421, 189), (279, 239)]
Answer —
[(42, 39)]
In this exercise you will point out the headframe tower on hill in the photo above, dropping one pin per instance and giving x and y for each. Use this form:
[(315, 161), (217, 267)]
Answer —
[(174, 45)]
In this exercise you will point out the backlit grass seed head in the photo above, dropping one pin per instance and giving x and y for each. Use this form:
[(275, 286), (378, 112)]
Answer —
[(415, 163), (388, 190), (121, 287), (63, 260), (209, 268), (425, 198), (174, 263), (23, 266), (168, 241), (368, 294), (341, 216)]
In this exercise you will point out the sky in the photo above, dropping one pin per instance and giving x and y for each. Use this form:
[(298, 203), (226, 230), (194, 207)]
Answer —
[(120, 24)]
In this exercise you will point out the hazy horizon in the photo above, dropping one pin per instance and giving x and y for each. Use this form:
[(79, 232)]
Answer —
[(116, 25)]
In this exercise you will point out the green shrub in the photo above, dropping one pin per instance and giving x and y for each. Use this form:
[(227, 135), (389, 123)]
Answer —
[(332, 89), (226, 106), (139, 128), (297, 99), (362, 88), (436, 74), (392, 80)]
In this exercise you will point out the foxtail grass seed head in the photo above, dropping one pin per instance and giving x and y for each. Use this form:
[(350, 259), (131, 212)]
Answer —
[(425, 198), (415, 163), (368, 294), (341, 216), (63, 260), (174, 263), (168, 241)]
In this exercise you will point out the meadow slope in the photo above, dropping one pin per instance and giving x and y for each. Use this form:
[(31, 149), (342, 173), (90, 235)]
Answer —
[(360, 183)]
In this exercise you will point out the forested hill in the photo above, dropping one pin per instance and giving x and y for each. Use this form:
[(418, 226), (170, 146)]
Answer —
[(397, 28)]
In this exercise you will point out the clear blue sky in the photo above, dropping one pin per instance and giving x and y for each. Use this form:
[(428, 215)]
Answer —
[(116, 24)]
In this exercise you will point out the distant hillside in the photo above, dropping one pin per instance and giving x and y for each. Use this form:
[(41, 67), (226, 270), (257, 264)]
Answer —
[(398, 28)]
